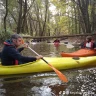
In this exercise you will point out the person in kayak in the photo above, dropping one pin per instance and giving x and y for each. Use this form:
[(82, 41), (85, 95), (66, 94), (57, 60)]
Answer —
[(10, 54), (88, 43)]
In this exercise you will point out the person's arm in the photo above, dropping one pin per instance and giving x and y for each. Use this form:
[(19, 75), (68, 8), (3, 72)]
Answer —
[(17, 56), (94, 45), (20, 49)]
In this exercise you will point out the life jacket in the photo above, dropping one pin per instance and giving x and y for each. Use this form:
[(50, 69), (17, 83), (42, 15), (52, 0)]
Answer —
[(9, 44), (89, 45)]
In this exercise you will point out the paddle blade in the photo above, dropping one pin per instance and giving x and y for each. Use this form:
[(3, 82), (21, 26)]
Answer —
[(60, 75)]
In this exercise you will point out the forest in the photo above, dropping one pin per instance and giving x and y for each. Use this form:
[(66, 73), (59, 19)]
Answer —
[(47, 17)]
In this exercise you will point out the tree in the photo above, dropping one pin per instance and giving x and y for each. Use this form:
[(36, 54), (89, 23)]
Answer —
[(6, 1)]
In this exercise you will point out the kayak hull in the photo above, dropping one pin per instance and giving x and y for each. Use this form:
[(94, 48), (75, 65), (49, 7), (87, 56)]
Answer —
[(79, 53), (40, 66)]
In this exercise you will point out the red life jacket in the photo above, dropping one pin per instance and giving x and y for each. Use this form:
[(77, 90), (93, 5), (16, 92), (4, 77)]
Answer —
[(16, 62)]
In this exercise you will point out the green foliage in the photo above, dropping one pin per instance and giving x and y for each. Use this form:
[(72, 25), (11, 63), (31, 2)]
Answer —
[(4, 36), (62, 17)]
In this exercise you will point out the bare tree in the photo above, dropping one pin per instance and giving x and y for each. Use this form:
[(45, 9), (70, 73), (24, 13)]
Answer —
[(19, 25), (6, 15)]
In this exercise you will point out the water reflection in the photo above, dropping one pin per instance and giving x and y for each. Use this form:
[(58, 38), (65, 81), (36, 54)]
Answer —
[(82, 82)]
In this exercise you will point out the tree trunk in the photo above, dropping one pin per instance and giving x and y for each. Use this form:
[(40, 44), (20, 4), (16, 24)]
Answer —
[(85, 15), (5, 17), (24, 20), (20, 17), (46, 13)]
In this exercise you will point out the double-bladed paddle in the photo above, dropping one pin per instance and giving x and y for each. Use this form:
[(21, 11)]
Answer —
[(60, 75)]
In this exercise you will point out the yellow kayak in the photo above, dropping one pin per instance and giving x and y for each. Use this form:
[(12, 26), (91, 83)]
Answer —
[(40, 66)]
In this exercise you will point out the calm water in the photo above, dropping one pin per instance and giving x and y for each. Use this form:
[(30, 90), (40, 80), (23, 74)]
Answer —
[(82, 82)]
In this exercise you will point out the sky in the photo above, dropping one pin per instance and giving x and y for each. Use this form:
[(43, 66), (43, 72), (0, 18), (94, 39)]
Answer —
[(52, 8)]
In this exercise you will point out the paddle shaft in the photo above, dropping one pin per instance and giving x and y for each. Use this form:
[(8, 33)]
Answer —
[(60, 75), (37, 54)]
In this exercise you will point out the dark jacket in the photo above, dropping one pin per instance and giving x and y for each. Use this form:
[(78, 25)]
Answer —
[(10, 54)]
